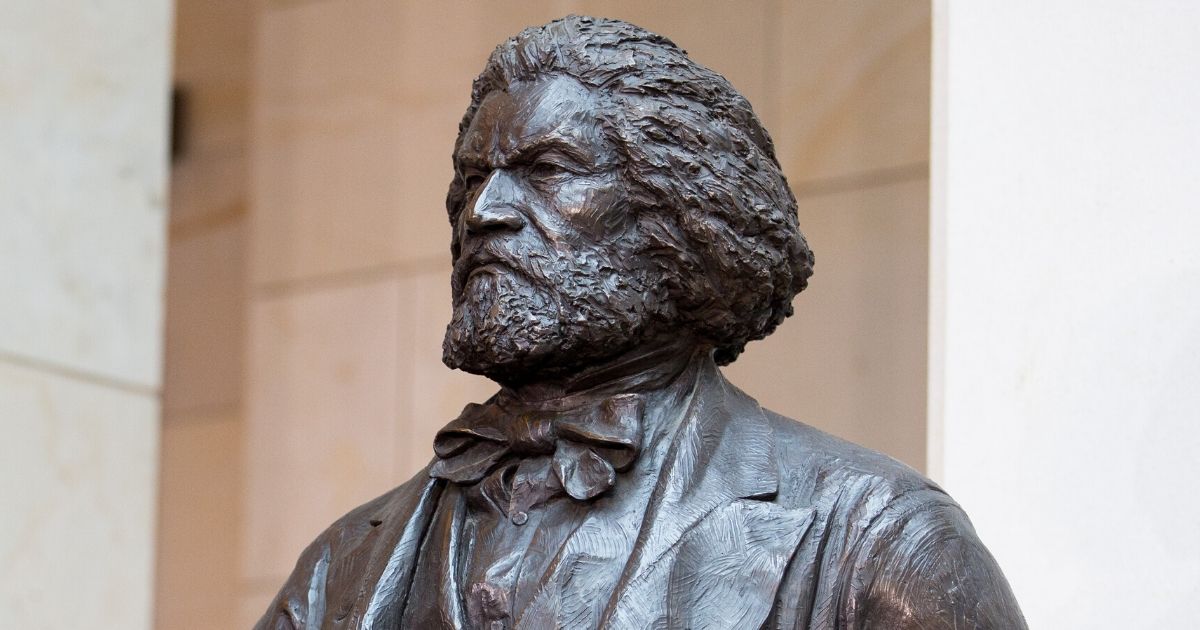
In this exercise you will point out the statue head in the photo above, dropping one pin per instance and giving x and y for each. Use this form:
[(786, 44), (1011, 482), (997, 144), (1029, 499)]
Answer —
[(610, 193)]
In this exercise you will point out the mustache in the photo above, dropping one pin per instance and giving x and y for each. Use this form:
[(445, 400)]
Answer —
[(489, 253)]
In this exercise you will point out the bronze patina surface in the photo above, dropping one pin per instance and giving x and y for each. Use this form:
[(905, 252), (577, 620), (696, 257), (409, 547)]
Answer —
[(621, 227)]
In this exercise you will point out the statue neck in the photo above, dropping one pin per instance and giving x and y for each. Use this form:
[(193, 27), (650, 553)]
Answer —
[(645, 368)]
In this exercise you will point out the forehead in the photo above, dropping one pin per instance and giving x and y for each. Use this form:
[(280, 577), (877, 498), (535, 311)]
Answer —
[(551, 108)]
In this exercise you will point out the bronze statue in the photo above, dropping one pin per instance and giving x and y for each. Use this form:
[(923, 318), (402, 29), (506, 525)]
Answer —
[(621, 227)]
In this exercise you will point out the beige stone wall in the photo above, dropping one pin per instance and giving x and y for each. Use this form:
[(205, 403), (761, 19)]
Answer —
[(202, 475), (83, 120), (340, 266)]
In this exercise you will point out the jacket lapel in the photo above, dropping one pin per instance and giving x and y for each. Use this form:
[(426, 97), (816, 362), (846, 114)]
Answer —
[(384, 586), (712, 547)]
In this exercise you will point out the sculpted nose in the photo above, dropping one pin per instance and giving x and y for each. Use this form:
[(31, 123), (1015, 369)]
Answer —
[(493, 208), (485, 217)]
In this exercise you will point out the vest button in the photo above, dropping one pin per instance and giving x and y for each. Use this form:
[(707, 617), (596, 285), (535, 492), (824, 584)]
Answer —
[(519, 518)]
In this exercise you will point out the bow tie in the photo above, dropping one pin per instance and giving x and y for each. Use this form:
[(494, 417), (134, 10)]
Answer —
[(588, 442)]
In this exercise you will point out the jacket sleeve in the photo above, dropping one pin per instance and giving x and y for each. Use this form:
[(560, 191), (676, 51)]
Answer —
[(923, 566)]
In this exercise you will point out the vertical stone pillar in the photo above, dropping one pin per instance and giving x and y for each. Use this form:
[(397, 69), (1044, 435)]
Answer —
[(1065, 316), (83, 125)]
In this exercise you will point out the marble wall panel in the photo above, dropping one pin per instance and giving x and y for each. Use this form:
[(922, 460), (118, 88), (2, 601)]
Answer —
[(327, 193), (326, 140), (321, 390), (83, 196), (205, 320), (200, 505), (77, 522), (853, 86)]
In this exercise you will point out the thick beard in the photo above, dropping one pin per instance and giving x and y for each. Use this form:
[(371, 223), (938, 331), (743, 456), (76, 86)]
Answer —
[(513, 328)]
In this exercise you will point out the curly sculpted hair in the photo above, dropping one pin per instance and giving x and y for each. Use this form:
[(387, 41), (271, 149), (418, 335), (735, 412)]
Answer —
[(693, 152)]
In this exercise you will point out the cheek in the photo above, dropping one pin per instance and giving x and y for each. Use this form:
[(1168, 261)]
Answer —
[(596, 207)]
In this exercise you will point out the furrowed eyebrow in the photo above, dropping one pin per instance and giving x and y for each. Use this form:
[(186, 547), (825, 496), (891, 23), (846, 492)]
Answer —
[(474, 161), (470, 160), (524, 153)]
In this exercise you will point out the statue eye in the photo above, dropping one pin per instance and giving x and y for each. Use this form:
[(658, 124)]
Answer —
[(546, 169), (473, 179)]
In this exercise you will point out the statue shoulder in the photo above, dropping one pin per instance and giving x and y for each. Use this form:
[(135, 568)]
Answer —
[(909, 556), (923, 566), (814, 463)]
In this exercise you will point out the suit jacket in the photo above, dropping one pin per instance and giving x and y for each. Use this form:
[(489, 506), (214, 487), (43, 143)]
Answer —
[(756, 521)]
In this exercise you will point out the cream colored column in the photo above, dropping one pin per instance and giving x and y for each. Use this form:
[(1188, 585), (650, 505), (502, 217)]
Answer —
[(83, 120), (1065, 312)]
